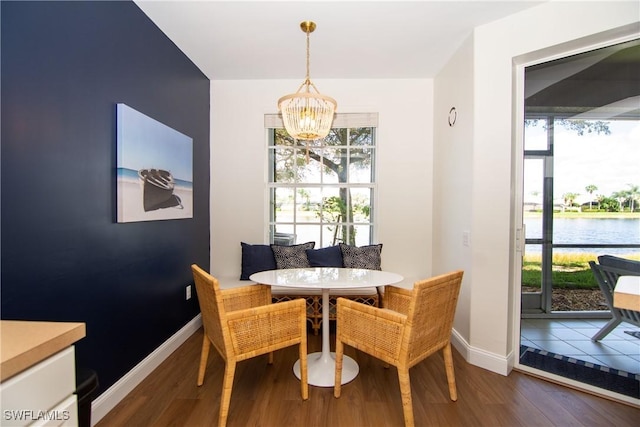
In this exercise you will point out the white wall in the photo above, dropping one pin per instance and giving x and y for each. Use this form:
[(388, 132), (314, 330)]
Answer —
[(559, 26), (404, 168), (453, 151)]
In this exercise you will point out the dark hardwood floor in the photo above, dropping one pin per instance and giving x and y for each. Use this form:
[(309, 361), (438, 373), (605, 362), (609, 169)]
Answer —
[(265, 395)]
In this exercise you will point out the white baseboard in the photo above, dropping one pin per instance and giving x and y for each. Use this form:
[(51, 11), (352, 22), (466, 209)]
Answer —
[(118, 391), (495, 363)]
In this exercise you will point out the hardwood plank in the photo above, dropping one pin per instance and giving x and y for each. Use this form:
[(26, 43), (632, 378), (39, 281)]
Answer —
[(269, 395), (178, 413), (547, 402)]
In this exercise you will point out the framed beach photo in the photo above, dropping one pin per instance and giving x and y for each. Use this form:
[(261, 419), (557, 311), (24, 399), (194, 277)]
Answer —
[(154, 169)]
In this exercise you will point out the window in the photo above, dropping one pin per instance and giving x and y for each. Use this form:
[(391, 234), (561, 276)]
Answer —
[(323, 191)]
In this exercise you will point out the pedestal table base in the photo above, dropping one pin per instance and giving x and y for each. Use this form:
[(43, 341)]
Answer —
[(321, 370)]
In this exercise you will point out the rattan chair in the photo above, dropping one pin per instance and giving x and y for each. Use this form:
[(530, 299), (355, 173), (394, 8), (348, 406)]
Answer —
[(241, 323), (412, 325)]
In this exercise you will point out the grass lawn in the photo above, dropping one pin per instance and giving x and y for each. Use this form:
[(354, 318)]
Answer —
[(570, 271)]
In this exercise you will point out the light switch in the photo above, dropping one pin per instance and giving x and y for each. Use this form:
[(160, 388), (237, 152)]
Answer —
[(466, 238)]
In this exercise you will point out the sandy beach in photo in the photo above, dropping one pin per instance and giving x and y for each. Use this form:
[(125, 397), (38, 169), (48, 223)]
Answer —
[(130, 203)]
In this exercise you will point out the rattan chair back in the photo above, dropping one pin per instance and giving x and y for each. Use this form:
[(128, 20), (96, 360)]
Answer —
[(430, 316), (212, 309)]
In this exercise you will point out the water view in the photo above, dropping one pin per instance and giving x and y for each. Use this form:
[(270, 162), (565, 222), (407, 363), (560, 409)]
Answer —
[(587, 231)]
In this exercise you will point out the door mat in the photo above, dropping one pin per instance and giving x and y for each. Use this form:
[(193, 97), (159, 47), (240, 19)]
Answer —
[(604, 377), (635, 334)]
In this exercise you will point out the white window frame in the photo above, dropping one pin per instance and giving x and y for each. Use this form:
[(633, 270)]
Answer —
[(341, 120)]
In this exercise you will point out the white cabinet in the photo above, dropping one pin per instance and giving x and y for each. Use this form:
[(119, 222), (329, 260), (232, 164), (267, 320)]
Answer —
[(42, 395)]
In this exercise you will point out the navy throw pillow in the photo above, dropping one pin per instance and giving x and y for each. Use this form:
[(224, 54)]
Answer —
[(256, 258), (325, 257)]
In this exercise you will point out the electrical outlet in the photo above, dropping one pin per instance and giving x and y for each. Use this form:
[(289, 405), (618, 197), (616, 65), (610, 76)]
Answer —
[(188, 293)]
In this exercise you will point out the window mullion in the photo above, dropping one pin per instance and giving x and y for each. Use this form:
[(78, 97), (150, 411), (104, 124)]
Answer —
[(308, 205)]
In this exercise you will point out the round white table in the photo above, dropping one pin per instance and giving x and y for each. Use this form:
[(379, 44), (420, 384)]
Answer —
[(321, 366)]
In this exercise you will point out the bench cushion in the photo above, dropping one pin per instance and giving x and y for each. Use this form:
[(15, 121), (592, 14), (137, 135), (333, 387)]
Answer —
[(233, 282), (281, 290)]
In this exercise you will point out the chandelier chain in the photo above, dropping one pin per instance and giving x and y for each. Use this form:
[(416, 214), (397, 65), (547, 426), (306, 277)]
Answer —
[(308, 80)]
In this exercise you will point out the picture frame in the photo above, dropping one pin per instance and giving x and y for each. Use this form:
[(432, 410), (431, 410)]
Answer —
[(154, 169)]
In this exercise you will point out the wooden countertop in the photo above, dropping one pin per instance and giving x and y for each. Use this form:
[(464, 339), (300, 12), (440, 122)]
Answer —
[(25, 343)]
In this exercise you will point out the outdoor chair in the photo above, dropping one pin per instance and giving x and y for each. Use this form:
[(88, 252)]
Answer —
[(413, 325), (242, 323), (606, 272)]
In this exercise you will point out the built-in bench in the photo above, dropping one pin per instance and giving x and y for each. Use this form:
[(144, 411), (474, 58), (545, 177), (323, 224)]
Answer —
[(313, 297), (257, 258)]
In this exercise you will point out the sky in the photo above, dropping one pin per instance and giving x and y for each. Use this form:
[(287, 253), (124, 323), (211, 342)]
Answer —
[(610, 162), (145, 143)]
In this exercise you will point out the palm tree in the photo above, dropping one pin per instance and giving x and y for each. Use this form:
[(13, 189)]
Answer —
[(634, 194), (569, 198), (620, 196), (590, 189)]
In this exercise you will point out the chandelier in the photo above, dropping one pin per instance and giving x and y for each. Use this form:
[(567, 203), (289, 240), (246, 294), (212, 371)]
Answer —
[(307, 114)]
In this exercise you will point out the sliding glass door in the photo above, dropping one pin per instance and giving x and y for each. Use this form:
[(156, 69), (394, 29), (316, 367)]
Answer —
[(581, 195)]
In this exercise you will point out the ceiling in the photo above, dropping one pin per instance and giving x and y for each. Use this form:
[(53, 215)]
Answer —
[(235, 39), (599, 84)]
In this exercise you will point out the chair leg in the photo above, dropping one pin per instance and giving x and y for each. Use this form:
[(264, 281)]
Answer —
[(337, 387), (405, 392), (227, 385), (270, 361), (204, 356), (304, 381), (610, 326), (448, 366)]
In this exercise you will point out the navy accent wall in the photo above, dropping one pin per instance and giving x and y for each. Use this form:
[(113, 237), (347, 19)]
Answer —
[(65, 65)]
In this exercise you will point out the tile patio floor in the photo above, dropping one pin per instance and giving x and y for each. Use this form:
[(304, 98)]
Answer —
[(572, 337)]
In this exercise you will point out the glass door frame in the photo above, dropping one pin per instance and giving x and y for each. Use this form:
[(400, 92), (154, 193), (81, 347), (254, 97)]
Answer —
[(604, 39), (535, 302)]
